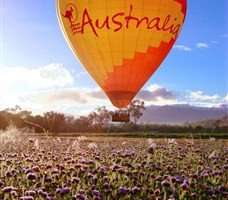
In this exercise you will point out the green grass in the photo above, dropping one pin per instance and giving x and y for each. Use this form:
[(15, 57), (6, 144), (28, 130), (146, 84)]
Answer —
[(142, 135)]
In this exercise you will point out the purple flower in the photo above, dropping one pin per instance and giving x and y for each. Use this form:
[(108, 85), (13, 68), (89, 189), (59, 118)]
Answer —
[(63, 191), (79, 196), (184, 186), (135, 190), (210, 192), (42, 193), (166, 183), (123, 191), (31, 176), (179, 179), (114, 167), (7, 189), (75, 180), (138, 166), (48, 166), (225, 167), (36, 168), (90, 162), (96, 192), (48, 178), (106, 185), (78, 165), (30, 193), (89, 175), (121, 171), (158, 178)]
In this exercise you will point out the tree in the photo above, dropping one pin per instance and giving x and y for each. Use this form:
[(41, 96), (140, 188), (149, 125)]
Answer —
[(82, 124), (135, 109), (55, 121), (100, 118)]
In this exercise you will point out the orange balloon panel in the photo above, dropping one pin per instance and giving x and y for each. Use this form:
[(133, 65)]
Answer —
[(121, 43)]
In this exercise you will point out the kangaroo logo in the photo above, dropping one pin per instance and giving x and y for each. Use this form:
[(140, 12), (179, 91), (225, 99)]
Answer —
[(71, 13)]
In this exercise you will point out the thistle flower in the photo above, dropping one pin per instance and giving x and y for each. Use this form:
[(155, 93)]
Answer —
[(225, 167), (135, 190), (121, 171), (36, 168), (79, 196), (158, 178), (122, 191), (31, 176), (30, 193), (48, 166), (96, 192), (75, 180), (166, 183), (7, 189)]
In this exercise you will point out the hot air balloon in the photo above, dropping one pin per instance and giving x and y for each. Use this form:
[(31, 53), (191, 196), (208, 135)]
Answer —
[(121, 43)]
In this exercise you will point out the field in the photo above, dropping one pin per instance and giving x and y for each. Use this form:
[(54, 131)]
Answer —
[(111, 168)]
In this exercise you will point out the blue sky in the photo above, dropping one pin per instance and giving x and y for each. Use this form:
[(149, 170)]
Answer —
[(40, 73)]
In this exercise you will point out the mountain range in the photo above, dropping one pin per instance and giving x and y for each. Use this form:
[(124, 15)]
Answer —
[(179, 114)]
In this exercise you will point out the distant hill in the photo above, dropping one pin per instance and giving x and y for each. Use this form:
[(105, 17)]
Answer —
[(179, 114), (208, 123)]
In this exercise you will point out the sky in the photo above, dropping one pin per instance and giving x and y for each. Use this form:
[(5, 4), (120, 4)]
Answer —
[(39, 72)]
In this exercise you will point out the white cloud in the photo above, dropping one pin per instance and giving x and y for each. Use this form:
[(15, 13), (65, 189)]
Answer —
[(70, 100), (182, 48), (199, 95), (202, 45), (226, 98), (153, 87), (48, 76), (68, 96), (157, 95)]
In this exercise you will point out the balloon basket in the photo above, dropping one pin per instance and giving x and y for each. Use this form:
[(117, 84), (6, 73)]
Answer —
[(121, 116)]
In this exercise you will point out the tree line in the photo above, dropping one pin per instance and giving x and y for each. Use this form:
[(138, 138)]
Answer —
[(98, 120)]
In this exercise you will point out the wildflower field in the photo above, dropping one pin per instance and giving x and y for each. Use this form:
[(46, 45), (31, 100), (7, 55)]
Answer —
[(66, 168)]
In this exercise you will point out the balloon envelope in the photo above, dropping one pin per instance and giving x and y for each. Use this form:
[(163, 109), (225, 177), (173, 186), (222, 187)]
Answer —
[(121, 43)]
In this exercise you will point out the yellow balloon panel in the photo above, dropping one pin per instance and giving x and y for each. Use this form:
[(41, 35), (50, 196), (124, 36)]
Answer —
[(121, 43)]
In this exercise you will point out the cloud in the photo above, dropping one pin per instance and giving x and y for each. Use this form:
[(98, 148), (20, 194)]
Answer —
[(200, 96), (226, 98), (44, 77), (155, 94), (57, 97), (182, 48), (81, 74), (202, 45), (97, 94), (70, 96)]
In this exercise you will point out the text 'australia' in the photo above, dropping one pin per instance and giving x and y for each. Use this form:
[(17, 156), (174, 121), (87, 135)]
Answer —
[(122, 20)]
